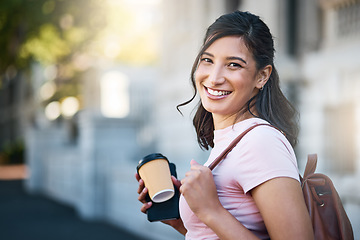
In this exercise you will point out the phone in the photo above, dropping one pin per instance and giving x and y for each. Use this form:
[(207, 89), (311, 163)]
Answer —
[(165, 210)]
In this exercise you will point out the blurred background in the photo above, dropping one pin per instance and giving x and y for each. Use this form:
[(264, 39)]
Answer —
[(89, 87)]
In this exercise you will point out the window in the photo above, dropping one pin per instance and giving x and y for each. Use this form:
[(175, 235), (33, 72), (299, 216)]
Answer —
[(341, 20), (348, 21)]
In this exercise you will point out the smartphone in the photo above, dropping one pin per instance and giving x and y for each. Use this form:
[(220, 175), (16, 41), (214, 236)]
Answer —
[(165, 210)]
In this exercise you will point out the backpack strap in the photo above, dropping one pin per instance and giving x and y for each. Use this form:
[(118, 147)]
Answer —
[(235, 142), (310, 165)]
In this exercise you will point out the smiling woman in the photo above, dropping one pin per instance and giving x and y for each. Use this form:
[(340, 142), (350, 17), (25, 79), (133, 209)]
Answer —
[(255, 190), (255, 49)]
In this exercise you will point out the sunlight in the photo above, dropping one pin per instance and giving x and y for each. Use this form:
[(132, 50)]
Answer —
[(114, 90), (52, 110), (47, 90), (69, 106)]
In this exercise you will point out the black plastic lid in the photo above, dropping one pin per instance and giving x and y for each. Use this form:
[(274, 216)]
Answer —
[(149, 158)]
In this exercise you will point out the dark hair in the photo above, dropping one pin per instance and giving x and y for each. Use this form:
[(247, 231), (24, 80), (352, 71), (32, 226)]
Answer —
[(270, 103)]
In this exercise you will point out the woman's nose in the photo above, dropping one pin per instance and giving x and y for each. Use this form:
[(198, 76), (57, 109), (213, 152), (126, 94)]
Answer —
[(216, 76)]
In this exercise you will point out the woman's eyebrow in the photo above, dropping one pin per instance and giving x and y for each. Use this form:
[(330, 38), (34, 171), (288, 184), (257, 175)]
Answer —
[(228, 58), (236, 58), (209, 54)]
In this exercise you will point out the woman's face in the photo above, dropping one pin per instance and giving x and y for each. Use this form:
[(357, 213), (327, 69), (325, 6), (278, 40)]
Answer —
[(226, 79)]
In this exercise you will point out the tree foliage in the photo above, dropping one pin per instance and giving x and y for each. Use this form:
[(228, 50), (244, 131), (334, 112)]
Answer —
[(46, 31), (70, 36)]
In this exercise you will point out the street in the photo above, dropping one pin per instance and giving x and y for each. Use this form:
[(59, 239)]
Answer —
[(35, 217)]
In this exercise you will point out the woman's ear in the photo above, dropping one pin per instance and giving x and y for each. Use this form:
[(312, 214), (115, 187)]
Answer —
[(263, 76)]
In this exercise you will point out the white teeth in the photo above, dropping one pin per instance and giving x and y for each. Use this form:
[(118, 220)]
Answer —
[(218, 93)]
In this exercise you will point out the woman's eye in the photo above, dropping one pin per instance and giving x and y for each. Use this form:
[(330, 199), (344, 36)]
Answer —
[(234, 65), (208, 60)]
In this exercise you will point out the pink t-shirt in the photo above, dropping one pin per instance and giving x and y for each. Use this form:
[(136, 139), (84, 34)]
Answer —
[(263, 154)]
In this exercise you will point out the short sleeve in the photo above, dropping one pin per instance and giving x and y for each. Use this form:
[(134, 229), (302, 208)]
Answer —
[(263, 154)]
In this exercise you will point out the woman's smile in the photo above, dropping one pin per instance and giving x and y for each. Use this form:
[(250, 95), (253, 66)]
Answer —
[(217, 94)]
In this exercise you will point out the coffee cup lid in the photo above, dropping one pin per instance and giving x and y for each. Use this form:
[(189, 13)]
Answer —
[(149, 158)]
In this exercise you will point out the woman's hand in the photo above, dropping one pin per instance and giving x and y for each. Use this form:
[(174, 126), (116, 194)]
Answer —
[(143, 191), (198, 188)]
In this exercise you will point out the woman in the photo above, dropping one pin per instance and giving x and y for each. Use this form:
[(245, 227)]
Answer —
[(255, 192)]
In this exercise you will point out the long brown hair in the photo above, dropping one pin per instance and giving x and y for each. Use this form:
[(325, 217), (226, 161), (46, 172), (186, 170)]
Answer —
[(271, 104)]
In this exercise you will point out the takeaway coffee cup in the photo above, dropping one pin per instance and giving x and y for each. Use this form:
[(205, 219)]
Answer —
[(154, 170)]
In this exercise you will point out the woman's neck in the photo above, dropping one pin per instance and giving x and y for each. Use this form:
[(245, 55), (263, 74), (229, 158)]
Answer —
[(221, 122)]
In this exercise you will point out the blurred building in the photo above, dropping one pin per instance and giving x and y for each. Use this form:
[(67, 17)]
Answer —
[(89, 161)]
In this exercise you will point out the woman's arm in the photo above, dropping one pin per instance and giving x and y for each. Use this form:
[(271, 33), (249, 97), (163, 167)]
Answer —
[(281, 204), (279, 200), (142, 191)]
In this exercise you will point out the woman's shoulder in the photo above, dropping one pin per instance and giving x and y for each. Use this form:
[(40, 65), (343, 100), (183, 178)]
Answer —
[(264, 135), (263, 128)]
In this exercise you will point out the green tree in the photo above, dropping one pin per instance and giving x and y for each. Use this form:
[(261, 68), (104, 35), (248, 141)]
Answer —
[(46, 31)]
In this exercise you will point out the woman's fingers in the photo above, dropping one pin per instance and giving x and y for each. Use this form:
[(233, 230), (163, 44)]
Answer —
[(137, 176), (142, 191), (141, 186), (145, 207), (141, 183), (176, 182), (142, 195)]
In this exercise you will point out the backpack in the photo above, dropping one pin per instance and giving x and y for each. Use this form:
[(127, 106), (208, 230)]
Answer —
[(326, 210), (328, 216)]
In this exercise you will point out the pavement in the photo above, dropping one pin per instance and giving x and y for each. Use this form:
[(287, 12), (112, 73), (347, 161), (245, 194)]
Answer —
[(35, 217)]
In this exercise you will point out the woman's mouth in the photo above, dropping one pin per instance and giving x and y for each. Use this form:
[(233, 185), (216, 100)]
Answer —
[(217, 93)]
